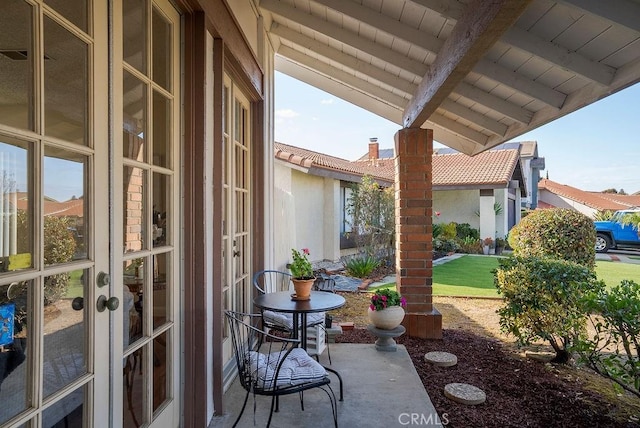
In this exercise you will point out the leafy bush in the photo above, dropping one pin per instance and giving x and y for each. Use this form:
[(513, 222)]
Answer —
[(464, 231), (558, 233), (449, 231), (615, 316), (437, 230), (360, 266), (442, 247), (603, 215), (543, 299), (470, 245), (59, 247)]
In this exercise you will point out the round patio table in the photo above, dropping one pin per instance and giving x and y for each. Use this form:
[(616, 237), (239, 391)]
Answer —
[(282, 301)]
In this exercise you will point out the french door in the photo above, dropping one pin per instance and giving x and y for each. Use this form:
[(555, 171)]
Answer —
[(89, 214), (54, 342), (236, 230), (146, 111)]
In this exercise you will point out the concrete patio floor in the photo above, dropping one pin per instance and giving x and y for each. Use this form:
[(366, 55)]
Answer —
[(381, 389)]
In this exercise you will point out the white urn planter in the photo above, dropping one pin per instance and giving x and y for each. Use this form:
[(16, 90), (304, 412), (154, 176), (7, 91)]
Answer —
[(388, 318)]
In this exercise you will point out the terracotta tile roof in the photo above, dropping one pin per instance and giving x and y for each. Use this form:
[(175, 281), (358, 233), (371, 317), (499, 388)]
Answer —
[(382, 169), (72, 207), (598, 201), (491, 168)]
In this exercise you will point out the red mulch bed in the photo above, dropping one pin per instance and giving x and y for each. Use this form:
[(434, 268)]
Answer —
[(520, 392)]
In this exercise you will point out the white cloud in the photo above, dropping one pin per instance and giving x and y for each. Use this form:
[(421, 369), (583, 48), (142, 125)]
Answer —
[(286, 114), (327, 101)]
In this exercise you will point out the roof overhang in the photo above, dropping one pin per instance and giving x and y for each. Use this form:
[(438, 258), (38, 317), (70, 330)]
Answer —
[(477, 72)]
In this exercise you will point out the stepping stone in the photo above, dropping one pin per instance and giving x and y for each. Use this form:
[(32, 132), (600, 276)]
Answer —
[(441, 359), (465, 393)]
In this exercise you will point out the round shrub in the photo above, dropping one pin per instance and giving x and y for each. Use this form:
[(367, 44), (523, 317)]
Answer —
[(558, 233), (543, 299)]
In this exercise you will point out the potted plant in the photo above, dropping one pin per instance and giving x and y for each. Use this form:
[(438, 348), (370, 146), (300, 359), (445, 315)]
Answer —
[(386, 310), (302, 273), (500, 245), (487, 244)]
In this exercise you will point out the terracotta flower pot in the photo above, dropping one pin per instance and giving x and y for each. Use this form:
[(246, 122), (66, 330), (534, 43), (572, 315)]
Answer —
[(387, 319), (302, 288)]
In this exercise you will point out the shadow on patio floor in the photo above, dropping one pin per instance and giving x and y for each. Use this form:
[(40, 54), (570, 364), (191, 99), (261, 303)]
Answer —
[(381, 389)]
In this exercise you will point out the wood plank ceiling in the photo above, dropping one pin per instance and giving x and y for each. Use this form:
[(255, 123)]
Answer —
[(477, 72)]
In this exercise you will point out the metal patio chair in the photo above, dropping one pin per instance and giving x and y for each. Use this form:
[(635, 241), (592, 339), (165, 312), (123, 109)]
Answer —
[(273, 366)]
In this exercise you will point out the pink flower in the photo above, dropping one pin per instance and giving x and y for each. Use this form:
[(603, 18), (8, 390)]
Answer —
[(437, 213), (384, 298), (306, 251), (373, 308), (403, 302)]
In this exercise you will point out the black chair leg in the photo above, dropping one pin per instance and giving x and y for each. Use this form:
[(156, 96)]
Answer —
[(339, 379)]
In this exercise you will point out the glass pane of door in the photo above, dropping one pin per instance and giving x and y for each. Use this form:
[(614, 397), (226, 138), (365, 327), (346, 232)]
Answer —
[(16, 64)]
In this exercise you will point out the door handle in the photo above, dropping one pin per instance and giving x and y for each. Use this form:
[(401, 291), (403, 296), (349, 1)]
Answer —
[(111, 303), (77, 304)]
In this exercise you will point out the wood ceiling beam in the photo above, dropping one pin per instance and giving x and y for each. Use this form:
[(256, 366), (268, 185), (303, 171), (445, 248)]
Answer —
[(474, 117), (345, 78), (481, 25), (459, 129), (344, 36), (401, 61), (621, 12), (520, 83), (559, 56), (338, 89), (355, 64), (493, 102), (382, 22)]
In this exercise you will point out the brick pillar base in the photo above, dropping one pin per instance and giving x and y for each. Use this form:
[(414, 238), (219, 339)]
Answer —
[(414, 249), (425, 325)]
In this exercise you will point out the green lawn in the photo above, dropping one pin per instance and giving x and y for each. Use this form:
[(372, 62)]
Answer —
[(614, 272), (465, 276), (471, 275)]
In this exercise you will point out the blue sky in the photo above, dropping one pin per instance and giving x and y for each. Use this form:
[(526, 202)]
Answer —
[(594, 148)]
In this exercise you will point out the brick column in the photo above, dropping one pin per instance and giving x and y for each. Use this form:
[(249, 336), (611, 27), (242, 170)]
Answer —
[(414, 249)]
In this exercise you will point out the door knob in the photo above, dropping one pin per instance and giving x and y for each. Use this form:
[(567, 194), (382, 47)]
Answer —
[(111, 303), (77, 304), (103, 279)]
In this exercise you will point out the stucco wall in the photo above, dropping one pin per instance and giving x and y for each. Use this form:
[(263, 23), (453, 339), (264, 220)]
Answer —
[(308, 192), (457, 205), (284, 213)]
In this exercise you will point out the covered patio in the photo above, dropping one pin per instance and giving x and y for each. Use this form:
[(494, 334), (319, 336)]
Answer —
[(380, 389)]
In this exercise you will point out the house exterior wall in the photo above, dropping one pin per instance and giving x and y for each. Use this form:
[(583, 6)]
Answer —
[(457, 205), (308, 200), (561, 202), (502, 226), (284, 214)]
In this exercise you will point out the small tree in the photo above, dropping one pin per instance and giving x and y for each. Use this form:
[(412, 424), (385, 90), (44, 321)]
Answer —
[(543, 299), (557, 233), (632, 219), (372, 211), (614, 350)]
